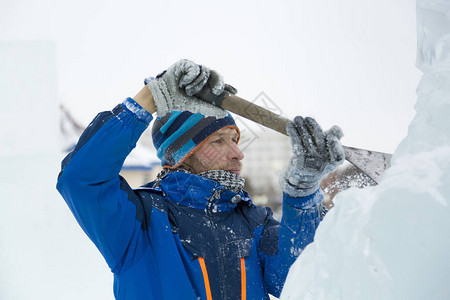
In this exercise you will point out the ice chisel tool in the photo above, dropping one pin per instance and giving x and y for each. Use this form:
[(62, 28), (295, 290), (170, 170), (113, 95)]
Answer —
[(372, 163)]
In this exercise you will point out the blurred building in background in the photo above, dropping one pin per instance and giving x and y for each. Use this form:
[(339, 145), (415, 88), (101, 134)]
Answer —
[(266, 153), (140, 167)]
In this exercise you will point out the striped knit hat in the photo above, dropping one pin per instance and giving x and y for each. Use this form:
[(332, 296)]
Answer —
[(179, 133)]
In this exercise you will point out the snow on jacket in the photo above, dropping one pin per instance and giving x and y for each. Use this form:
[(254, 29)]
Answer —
[(185, 239)]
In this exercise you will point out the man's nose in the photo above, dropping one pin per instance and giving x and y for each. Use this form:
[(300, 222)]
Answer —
[(235, 152)]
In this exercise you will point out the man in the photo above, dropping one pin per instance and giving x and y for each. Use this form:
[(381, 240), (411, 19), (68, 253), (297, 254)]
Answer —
[(194, 232)]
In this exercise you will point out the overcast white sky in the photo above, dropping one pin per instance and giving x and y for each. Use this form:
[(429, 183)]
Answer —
[(348, 62)]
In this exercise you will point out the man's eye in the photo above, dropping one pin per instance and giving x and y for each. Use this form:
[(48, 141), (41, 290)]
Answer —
[(217, 141)]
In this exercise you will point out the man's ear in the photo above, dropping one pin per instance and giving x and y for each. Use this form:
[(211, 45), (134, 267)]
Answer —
[(188, 165)]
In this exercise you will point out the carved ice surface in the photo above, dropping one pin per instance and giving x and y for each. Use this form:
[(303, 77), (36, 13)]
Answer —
[(391, 241)]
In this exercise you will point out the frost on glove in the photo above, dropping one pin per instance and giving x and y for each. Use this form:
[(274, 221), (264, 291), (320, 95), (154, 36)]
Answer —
[(216, 90), (178, 88), (315, 153)]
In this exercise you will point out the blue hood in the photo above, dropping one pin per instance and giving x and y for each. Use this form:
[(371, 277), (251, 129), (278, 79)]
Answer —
[(197, 191)]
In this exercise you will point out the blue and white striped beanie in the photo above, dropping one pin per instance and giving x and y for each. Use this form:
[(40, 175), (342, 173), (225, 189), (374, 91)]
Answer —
[(179, 133)]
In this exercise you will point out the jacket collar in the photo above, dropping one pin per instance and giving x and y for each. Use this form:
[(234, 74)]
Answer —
[(200, 192)]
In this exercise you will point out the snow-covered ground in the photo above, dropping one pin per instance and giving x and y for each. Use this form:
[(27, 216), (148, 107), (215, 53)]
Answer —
[(391, 241)]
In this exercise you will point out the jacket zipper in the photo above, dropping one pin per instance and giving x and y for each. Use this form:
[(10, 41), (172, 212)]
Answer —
[(212, 208), (212, 205)]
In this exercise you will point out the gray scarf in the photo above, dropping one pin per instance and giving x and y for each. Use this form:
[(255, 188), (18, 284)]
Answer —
[(229, 180)]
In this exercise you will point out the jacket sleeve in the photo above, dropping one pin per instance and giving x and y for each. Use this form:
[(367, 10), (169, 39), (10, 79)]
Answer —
[(301, 217), (101, 201)]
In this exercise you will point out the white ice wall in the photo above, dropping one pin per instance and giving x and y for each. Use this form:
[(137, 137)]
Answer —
[(43, 253), (391, 241)]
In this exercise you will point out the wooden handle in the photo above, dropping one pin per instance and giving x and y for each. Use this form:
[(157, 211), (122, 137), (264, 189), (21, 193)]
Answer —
[(255, 113)]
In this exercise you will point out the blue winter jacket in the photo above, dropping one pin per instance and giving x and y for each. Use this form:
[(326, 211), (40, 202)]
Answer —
[(185, 239)]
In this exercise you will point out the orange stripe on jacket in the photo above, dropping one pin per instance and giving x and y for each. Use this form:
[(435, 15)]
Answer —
[(243, 280), (205, 278)]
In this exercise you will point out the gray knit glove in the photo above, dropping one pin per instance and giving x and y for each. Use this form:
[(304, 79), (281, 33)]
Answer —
[(177, 87), (215, 90), (315, 153)]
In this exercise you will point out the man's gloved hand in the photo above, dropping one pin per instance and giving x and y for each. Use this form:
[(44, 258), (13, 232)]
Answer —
[(215, 91), (315, 153), (179, 87)]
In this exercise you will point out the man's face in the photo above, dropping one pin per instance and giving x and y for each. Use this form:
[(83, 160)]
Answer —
[(219, 152)]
